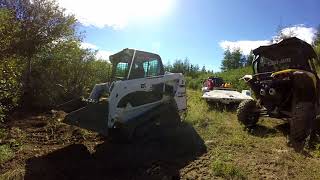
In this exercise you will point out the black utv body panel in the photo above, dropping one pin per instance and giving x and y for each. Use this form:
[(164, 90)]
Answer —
[(292, 53)]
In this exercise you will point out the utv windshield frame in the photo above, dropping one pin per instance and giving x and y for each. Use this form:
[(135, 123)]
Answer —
[(291, 53)]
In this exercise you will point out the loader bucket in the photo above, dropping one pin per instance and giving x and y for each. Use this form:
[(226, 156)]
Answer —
[(93, 116), (72, 105)]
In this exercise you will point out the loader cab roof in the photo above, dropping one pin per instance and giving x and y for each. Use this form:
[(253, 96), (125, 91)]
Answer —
[(290, 53)]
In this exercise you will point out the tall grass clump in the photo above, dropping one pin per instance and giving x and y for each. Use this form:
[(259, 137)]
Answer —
[(197, 108)]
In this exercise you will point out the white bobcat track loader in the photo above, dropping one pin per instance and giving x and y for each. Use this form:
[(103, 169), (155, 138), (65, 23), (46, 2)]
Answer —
[(139, 87)]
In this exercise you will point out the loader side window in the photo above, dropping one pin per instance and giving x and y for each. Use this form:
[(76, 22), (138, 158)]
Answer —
[(151, 68), (121, 70)]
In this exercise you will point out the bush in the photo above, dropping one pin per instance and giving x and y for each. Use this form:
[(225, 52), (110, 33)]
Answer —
[(10, 85), (10, 66), (227, 170), (193, 83), (233, 76), (6, 153), (64, 72)]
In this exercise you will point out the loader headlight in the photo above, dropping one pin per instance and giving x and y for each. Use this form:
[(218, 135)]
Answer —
[(272, 91)]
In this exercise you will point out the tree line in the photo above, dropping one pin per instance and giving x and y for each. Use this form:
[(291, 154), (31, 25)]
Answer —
[(185, 67), (235, 59)]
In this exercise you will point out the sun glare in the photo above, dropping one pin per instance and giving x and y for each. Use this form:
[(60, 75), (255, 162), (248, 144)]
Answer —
[(117, 13), (150, 8)]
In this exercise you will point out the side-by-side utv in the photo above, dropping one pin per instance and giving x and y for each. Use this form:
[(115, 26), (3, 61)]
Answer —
[(286, 85)]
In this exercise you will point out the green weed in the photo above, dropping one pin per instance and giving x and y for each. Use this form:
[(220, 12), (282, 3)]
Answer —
[(227, 170), (3, 133), (6, 153)]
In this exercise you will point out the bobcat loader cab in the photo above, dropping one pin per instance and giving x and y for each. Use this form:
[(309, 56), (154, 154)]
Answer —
[(138, 87)]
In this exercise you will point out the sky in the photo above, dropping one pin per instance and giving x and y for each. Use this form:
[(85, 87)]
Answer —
[(197, 29)]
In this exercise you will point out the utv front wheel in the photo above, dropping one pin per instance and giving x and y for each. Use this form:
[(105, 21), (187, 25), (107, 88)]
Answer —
[(247, 113)]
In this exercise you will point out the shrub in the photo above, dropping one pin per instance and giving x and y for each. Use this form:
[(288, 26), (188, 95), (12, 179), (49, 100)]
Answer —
[(6, 153), (65, 71), (227, 170), (233, 76), (10, 85)]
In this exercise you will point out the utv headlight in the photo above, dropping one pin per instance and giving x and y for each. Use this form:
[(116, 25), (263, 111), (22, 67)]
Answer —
[(272, 91), (262, 92)]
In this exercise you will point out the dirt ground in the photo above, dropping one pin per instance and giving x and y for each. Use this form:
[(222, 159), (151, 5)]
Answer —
[(212, 145), (51, 149)]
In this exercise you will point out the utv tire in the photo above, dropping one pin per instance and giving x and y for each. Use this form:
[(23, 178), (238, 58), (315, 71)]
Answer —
[(302, 121), (247, 113)]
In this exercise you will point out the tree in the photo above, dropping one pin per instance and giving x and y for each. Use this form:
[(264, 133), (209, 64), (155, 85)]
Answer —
[(196, 68), (226, 62), (168, 67), (38, 33), (232, 60), (250, 58), (243, 61), (186, 65), (203, 69), (10, 66), (9, 30), (178, 66), (42, 22)]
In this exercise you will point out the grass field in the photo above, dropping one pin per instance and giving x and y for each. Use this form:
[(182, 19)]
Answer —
[(261, 153), (232, 152)]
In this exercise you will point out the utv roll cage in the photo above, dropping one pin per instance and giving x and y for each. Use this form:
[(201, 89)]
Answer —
[(291, 52)]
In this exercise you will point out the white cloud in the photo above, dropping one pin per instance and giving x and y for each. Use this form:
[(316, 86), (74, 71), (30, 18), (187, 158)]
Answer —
[(115, 13), (86, 45), (244, 46), (101, 54), (300, 31)]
